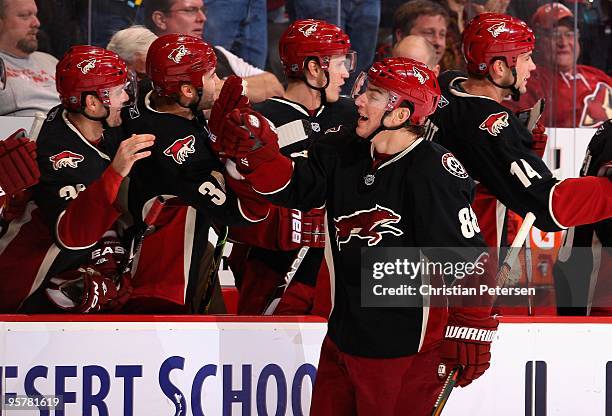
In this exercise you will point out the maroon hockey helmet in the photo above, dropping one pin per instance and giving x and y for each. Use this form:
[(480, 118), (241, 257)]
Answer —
[(406, 80), (491, 36), (174, 59), (90, 69), (313, 38)]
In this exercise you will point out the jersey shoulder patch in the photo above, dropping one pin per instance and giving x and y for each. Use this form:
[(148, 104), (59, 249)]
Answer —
[(495, 123)]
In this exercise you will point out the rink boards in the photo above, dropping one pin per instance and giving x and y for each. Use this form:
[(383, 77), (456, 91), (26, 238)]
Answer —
[(258, 366)]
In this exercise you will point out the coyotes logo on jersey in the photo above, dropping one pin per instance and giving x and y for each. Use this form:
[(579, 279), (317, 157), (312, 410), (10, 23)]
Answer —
[(368, 225), (65, 159), (87, 65), (497, 29), (180, 150), (308, 29), (495, 123), (597, 106), (177, 54)]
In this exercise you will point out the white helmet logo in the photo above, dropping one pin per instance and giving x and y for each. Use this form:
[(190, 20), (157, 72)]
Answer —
[(87, 65), (177, 54), (308, 29), (497, 29), (421, 76)]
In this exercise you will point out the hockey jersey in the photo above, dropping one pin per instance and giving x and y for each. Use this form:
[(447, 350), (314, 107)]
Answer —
[(420, 197), (183, 169), (495, 148), (74, 204), (582, 99)]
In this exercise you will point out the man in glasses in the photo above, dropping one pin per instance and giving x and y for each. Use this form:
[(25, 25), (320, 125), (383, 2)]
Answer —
[(188, 17), (30, 74), (558, 76), (317, 60)]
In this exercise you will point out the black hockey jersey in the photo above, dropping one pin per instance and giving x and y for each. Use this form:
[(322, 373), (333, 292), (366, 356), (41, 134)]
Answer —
[(495, 148), (69, 166), (417, 198)]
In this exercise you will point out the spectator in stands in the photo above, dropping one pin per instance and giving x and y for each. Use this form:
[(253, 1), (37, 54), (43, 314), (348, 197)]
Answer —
[(459, 14), (578, 95), (187, 16), (417, 48), (358, 18), (131, 45), (239, 26), (424, 18), (30, 84), (107, 17)]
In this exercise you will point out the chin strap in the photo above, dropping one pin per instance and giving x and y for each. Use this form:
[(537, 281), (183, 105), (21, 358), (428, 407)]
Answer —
[(320, 89), (514, 92)]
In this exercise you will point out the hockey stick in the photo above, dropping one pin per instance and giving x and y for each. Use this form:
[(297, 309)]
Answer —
[(500, 278), (214, 269), (142, 231), (280, 290)]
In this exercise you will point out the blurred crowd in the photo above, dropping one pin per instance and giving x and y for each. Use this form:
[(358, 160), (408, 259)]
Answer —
[(573, 77)]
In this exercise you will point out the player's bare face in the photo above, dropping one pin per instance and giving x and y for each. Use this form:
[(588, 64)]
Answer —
[(118, 97), (186, 17), (432, 28), (19, 27), (209, 81), (338, 73), (371, 106), (524, 66)]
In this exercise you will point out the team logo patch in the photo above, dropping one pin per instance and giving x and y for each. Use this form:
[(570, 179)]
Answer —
[(497, 29), (441, 370), (134, 112), (420, 75), (315, 127), (177, 54), (87, 65), (52, 114), (66, 159), (451, 164), (308, 29), (495, 123), (597, 106), (180, 150), (443, 102), (368, 225)]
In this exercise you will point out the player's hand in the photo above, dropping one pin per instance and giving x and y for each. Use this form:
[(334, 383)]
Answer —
[(86, 290), (130, 150), (232, 95), (313, 228), (108, 256), (539, 139), (467, 343), (15, 205), (249, 139), (18, 167)]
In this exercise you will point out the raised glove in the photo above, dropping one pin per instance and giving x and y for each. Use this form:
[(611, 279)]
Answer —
[(18, 167), (86, 290), (539, 139), (249, 139), (467, 343), (232, 96)]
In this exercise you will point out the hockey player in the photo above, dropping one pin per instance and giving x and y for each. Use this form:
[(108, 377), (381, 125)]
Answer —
[(77, 262), (317, 60), (496, 149), (183, 169), (383, 185), (583, 271)]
